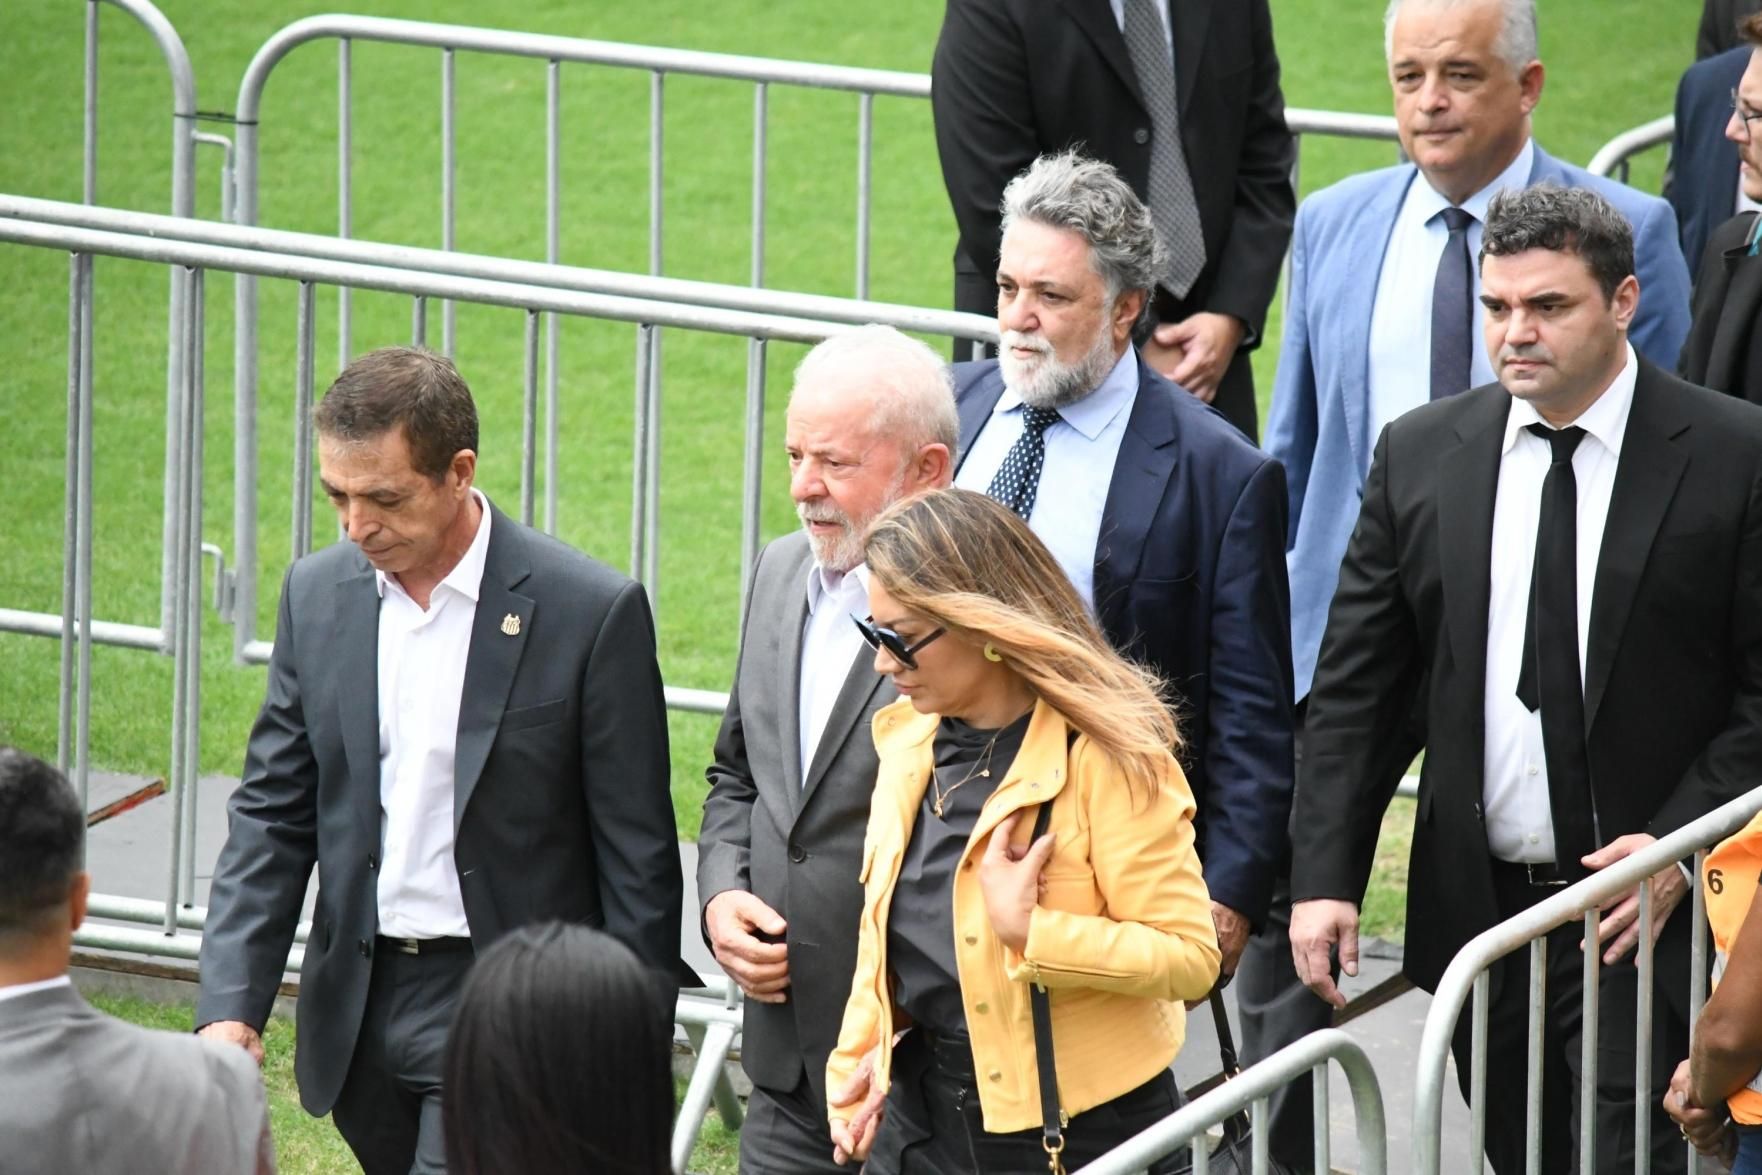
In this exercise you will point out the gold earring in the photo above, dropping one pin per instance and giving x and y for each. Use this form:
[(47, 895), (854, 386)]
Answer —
[(991, 653)]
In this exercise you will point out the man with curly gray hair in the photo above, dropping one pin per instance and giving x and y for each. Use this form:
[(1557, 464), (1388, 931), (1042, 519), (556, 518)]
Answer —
[(1168, 521)]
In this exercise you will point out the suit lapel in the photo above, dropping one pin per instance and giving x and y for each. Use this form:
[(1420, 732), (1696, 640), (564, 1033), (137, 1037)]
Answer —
[(1375, 221), (1096, 20), (1468, 483), (975, 409), (355, 648), (1147, 458), (795, 626), (1727, 356), (493, 656), (1189, 21), (860, 684), (1646, 478)]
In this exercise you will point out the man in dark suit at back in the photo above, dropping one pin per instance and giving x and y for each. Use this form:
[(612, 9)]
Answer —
[(1184, 100), (1705, 186), (464, 732), (1169, 523), (1718, 31), (1563, 567), (871, 420)]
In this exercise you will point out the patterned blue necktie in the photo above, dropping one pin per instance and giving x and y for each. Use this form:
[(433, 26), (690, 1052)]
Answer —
[(1018, 478)]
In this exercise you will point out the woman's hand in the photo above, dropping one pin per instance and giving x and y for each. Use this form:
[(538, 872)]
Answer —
[(1010, 878), (852, 1136)]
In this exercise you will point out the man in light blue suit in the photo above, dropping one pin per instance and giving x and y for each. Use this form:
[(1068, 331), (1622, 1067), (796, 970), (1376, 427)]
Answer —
[(1383, 316)]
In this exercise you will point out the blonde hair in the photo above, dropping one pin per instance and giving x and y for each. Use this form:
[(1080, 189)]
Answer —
[(966, 563)]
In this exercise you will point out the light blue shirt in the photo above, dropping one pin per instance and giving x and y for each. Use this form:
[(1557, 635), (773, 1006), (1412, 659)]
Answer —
[(1080, 452), (1401, 322)]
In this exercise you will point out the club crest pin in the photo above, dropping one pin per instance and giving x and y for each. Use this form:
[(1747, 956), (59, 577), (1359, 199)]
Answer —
[(510, 625)]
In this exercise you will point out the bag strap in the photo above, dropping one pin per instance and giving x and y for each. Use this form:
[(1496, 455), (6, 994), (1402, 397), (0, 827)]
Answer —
[(1051, 1117), (1226, 1043)]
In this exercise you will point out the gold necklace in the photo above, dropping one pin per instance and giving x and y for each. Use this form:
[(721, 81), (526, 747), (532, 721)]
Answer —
[(981, 768)]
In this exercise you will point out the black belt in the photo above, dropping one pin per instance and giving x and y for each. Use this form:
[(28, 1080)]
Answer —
[(1540, 874), (424, 946)]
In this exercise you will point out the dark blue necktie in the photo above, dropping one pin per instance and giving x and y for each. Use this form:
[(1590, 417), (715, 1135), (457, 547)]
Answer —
[(1017, 480), (1452, 315)]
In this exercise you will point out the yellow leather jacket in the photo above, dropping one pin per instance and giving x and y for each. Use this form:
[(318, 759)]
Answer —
[(1122, 935)]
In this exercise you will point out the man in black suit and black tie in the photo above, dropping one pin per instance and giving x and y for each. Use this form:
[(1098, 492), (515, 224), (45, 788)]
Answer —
[(1184, 99), (1564, 568)]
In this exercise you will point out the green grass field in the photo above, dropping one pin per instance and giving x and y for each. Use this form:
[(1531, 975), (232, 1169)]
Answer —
[(1612, 64)]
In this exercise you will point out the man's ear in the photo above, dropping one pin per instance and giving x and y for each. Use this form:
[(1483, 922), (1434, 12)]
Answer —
[(933, 467), (78, 892)]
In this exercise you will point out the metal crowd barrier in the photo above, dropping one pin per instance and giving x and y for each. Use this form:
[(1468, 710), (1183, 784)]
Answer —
[(709, 1016), (1251, 1089), (1613, 157), (1470, 971)]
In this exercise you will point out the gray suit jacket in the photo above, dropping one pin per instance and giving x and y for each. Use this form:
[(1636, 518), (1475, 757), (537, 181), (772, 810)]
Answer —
[(561, 800), (80, 1091), (797, 843)]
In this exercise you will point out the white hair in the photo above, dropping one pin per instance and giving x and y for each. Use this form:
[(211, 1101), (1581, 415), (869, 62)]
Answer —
[(1516, 43), (914, 391)]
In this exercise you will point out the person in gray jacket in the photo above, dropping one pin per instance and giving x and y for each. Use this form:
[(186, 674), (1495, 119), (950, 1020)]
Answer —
[(80, 1091), (871, 420)]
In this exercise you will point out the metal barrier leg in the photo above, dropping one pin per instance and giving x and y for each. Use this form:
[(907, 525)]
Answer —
[(1587, 1086), (82, 764), (65, 733), (192, 602), (1477, 1073), (1318, 1085), (639, 464), (345, 173), (449, 167), (553, 197), (1532, 1116), (865, 172), (304, 395), (712, 1046), (1643, 1038), (529, 423)]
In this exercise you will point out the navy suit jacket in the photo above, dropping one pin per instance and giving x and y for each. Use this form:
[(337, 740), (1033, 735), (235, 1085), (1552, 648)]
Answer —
[(1190, 579), (1703, 162)]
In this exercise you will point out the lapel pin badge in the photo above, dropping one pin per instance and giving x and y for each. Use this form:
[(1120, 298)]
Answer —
[(510, 625)]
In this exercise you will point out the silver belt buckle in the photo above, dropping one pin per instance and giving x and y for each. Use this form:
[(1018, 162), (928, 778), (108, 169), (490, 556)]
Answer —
[(1552, 867), (409, 946)]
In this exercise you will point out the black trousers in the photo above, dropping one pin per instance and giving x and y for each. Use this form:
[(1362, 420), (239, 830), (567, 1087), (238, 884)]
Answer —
[(931, 1124), (389, 1111), (786, 1133), (1505, 1097)]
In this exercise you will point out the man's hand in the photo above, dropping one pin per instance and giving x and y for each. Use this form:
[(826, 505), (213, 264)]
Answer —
[(1010, 880), (853, 1135), (1621, 915), (1232, 936), (760, 968), (1316, 926), (1195, 352), (235, 1032), (1707, 1130)]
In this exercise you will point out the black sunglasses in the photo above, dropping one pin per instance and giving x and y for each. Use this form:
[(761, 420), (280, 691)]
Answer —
[(885, 638)]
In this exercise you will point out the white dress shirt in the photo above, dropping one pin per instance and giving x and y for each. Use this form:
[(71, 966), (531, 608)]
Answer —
[(1081, 448), (830, 643), (422, 657), (1520, 823), (23, 989), (1401, 318)]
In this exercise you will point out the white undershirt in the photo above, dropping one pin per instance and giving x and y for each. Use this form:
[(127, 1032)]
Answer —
[(422, 658), (23, 989), (1401, 316), (1520, 823), (830, 644)]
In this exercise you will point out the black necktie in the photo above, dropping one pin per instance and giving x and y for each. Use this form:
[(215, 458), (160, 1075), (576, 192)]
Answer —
[(1452, 316), (1018, 478), (1550, 678)]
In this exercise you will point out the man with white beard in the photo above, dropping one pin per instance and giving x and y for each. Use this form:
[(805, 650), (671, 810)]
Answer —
[(1166, 519), (871, 420)]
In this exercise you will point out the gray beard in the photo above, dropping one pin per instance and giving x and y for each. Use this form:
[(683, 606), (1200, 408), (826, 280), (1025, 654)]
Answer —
[(1052, 384)]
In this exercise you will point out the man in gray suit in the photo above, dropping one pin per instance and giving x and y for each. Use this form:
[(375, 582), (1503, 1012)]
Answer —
[(871, 420), (80, 1091), (464, 731)]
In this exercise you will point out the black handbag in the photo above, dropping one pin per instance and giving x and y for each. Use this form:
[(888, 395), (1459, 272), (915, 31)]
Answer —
[(1234, 1153)]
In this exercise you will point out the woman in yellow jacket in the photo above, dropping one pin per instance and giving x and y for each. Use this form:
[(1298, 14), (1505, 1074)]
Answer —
[(1011, 699)]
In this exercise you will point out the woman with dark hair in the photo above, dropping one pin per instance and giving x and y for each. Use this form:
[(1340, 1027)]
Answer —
[(1014, 710), (560, 1060)]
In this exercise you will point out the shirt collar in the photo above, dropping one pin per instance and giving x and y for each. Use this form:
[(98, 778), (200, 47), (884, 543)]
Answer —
[(24, 989), (1605, 419), (1094, 412), (466, 577), (842, 585), (1427, 201)]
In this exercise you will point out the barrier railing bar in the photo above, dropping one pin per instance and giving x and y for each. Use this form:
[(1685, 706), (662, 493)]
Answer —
[(1477, 1068), (83, 540), (304, 393), (226, 185), (711, 1045), (1643, 1036), (1587, 1085), (1612, 157), (1698, 931), (1532, 1118), (865, 174), (752, 459), (1255, 1084), (180, 679), (104, 632), (639, 464), (1580, 899), (197, 395), (651, 431), (1319, 1117), (419, 321), (345, 171), (449, 178), (65, 732), (684, 291), (553, 253), (529, 422)]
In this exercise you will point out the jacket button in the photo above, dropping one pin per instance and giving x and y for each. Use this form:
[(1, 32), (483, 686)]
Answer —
[(972, 939), (372, 861), (981, 1007), (1035, 786), (995, 1075), (797, 854), (1141, 136), (366, 949)]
